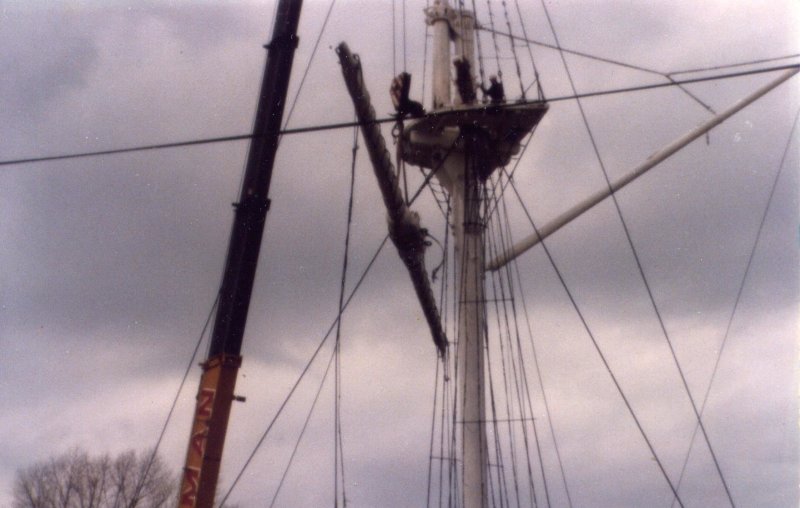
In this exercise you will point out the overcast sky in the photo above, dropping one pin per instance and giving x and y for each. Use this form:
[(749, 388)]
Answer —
[(109, 265)]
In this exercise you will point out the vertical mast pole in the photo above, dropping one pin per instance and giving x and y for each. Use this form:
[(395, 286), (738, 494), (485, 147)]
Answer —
[(470, 405), (439, 19), (460, 174), (463, 142), (215, 394)]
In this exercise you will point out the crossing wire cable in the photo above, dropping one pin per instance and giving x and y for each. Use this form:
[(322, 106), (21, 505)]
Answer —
[(390, 119), (303, 430), (444, 366), (540, 91), (732, 65), (308, 64), (599, 351), (479, 47), (303, 372), (499, 241), (506, 384), (495, 44), (509, 414), (151, 459), (502, 486), (404, 36), (669, 75), (590, 56), (338, 447), (539, 371), (514, 50), (394, 41), (433, 431), (740, 290), (506, 240), (640, 268), (446, 431)]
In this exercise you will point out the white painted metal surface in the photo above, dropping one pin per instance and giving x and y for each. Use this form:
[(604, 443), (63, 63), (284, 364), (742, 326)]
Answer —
[(439, 19)]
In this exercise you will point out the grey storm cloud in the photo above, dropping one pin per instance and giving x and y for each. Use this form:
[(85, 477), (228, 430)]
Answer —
[(109, 265)]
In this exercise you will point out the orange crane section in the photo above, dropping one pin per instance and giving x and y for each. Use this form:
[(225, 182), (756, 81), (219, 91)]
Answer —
[(216, 392)]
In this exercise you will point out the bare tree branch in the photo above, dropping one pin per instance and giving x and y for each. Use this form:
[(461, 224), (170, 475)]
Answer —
[(77, 480)]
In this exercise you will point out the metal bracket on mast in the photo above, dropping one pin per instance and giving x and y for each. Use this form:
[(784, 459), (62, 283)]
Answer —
[(404, 225)]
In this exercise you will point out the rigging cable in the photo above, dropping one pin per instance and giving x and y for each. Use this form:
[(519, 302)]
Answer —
[(506, 385), (510, 416), (443, 306), (425, 51), (502, 484), (338, 448), (539, 90), (739, 292), (596, 345), (404, 36), (503, 235), (513, 170), (641, 271), (303, 372), (140, 484), (513, 49), (737, 64), (394, 41), (599, 93), (668, 75), (433, 431), (639, 266), (447, 363), (539, 377), (520, 375), (479, 47), (345, 125), (528, 41), (303, 430), (494, 41), (308, 64), (502, 487)]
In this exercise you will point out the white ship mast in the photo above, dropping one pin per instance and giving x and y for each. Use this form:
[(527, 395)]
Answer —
[(464, 142)]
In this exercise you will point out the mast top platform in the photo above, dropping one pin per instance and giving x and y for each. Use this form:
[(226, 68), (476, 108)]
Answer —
[(427, 141)]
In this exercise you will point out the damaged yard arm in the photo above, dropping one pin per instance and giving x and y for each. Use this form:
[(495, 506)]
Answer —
[(404, 228)]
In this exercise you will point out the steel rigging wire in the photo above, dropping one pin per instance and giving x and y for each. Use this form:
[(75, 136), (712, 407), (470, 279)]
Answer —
[(151, 459), (285, 401), (344, 125), (338, 447), (639, 264), (304, 371), (548, 413), (503, 237), (739, 292), (599, 351), (216, 301), (539, 90), (499, 231), (303, 429), (162, 146)]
